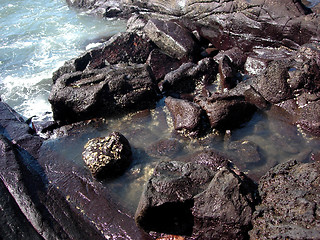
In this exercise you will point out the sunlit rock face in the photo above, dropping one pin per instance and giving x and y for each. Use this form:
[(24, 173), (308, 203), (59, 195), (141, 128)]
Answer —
[(107, 157)]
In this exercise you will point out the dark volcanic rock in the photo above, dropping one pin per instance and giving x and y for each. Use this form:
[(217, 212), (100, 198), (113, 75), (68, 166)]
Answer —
[(186, 115), (260, 58), (190, 76), (125, 47), (107, 157), (171, 38), (161, 64), (224, 209), (309, 118), (272, 83), (245, 152), (228, 73), (253, 97), (102, 92), (195, 200), (227, 113), (165, 204), (290, 197), (165, 147)]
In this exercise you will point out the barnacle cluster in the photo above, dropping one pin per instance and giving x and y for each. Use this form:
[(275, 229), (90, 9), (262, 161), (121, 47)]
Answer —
[(105, 154)]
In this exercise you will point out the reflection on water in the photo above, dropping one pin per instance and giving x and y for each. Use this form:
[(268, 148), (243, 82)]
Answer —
[(256, 147), (310, 3)]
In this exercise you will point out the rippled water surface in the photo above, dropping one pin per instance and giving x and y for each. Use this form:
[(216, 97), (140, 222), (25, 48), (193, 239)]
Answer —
[(37, 37)]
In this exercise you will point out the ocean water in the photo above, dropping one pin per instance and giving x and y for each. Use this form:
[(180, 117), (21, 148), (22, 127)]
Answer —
[(37, 37)]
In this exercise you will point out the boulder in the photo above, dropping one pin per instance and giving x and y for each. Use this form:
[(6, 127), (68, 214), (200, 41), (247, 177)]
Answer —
[(246, 153), (227, 112), (186, 115), (166, 202), (253, 97), (180, 198), (272, 83), (225, 208), (260, 58), (229, 77), (102, 92), (170, 37), (161, 64), (107, 157), (165, 147), (290, 200), (125, 47), (309, 118), (190, 77)]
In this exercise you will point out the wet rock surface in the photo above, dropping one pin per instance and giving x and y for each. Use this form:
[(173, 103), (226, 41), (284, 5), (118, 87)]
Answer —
[(266, 56), (107, 157), (188, 198), (186, 115), (227, 113), (172, 38), (102, 92), (290, 203)]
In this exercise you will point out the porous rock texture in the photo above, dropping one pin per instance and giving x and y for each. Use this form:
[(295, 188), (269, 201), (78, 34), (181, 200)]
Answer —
[(290, 197), (107, 157)]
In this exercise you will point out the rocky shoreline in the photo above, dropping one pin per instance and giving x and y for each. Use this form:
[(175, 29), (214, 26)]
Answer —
[(216, 64)]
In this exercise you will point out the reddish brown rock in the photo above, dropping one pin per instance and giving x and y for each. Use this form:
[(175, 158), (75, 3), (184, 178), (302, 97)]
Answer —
[(186, 115)]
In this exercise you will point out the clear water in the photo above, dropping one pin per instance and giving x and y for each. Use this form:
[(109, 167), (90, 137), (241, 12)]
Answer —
[(37, 37), (276, 140)]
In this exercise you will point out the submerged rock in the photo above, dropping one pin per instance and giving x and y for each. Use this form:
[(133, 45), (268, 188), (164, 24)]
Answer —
[(290, 197), (165, 147), (107, 157)]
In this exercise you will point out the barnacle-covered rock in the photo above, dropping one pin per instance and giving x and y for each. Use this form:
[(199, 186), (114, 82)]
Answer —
[(107, 157)]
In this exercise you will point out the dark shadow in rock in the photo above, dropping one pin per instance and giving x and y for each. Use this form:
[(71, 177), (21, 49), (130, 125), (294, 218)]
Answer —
[(171, 217)]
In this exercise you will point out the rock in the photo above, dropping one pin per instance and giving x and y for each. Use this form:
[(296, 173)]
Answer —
[(228, 74), (125, 47), (186, 116), (309, 118), (260, 58), (245, 153), (102, 93), (290, 203), (136, 24), (107, 157), (253, 97), (165, 147), (235, 55), (189, 77), (161, 64), (224, 209), (171, 38), (272, 83), (171, 237), (227, 113), (166, 202), (180, 80), (180, 198)]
